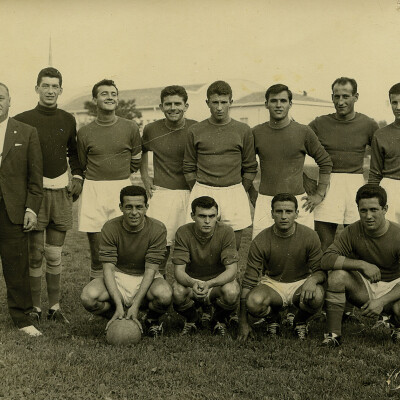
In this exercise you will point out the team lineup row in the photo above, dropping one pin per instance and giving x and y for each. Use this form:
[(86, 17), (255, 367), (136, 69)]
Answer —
[(215, 158)]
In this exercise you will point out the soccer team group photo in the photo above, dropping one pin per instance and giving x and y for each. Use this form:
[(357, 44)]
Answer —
[(326, 248)]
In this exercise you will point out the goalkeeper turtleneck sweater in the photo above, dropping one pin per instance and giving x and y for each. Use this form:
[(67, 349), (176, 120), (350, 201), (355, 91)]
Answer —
[(57, 135)]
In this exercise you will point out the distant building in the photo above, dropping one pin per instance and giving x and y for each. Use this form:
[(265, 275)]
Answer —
[(248, 105)]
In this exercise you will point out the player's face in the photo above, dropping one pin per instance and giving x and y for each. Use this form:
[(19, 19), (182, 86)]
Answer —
[(343, 99), (219, 106), (5, 101), (48, 90), (395, 104), (278, 106), (284, 215), (372, 214), (107, 98), (134, 210), (174, 108), (205, 219)]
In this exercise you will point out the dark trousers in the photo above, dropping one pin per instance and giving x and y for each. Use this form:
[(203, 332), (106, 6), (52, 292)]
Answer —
[(15, 260)]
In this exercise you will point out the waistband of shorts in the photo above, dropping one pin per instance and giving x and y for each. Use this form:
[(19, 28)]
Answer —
[(116, 182), (219, 187), (60, 182), (171, 190)]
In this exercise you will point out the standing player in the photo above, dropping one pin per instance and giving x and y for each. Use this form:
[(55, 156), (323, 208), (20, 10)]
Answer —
[(365, 266), (385, 156), (166, 138), (220, 161), (345, 136), (283, 269), (109, 151), (132, 248), (282, 145), (57, 135), (205, 259)]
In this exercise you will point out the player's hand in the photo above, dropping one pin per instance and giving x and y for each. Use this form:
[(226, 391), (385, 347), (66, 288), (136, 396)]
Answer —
[(30, 220), (371, 272), (253, 195), (119, 314), (200, 289), (311, 201), (149, 186), (133, 311), (75, 188), (372, 308), (308, 291), (244, 331)]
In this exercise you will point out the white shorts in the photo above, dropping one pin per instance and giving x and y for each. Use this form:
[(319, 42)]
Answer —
[(233, 204), (128, 285), (392, 187), (98, 203), (339, 205), (285, 290), (263, 218), (169, 207), (378, 289)]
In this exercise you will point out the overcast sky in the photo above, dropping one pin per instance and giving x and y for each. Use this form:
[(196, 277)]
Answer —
[(305, 44)]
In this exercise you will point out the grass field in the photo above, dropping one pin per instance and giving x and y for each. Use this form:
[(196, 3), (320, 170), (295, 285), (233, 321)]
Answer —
[(74, 362)]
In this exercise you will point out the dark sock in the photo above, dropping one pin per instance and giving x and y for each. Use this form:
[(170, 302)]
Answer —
[(190, 314)]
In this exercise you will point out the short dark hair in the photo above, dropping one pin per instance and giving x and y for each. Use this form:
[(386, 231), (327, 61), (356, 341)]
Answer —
[(4, 86), (49, 72), (276, 89), (284, 197), (103, 82), (395, 89), (343, 80), (370, 191), (172, 91), (204, 202), (220, 88), (132, 190)]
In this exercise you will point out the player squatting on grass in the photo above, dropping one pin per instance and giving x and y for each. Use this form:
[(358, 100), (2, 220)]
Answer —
[(132, 247), (278, 272), (205, 260), (364, 264)]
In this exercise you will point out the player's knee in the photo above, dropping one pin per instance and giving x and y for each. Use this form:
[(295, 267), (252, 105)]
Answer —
[(36, 252), (230, 293), (162, 293), (53, 259), (337, 278), (180, 293), (256, 303), (319, 297), (89, 296)]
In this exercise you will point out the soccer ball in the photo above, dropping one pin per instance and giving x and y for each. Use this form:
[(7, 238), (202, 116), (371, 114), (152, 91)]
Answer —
[(123, 332)]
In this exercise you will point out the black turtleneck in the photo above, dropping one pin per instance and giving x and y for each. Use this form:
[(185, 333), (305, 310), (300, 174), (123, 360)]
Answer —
[(57, 134)]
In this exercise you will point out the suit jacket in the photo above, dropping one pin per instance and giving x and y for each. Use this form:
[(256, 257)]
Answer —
[(21, 170)]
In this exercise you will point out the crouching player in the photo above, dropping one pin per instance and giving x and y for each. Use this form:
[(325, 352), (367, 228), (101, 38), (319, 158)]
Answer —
[(132, 247), (283, 269), (365, 264), (205, 260)]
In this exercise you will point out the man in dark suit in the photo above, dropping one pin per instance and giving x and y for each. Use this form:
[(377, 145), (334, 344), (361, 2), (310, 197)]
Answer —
[(21, 192)]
